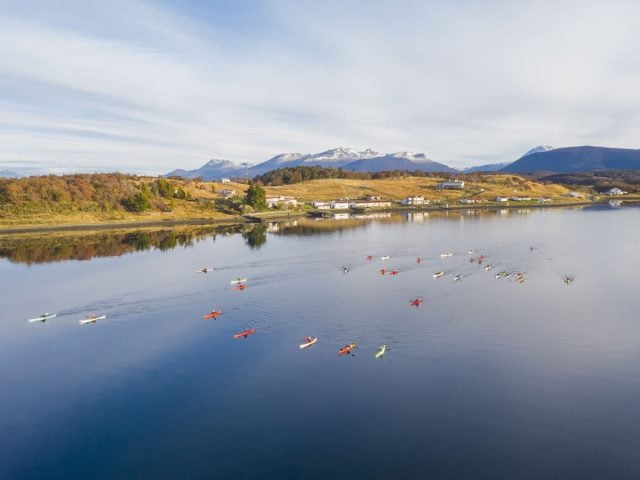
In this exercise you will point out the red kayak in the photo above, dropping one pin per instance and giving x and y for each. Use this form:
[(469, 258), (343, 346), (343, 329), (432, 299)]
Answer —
[(347, 349), (394, 272), (245, 333), (212, 314), (369, 257), (240, 287), (416, 302)]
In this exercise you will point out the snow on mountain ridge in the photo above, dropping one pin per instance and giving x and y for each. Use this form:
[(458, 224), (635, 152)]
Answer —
[(538, 149)]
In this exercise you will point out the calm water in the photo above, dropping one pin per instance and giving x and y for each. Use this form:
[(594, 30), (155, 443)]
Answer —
[(486, 379)]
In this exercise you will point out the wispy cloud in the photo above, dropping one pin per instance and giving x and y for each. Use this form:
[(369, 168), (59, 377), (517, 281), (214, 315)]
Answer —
[(152, 86)]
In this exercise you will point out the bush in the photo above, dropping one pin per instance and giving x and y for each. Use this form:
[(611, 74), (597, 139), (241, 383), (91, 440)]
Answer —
[(256, 197), (138, 202)]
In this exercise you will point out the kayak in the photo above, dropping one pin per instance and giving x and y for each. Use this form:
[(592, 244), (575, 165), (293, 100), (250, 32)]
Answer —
[(92, 319), (447, 254), (381, 351), (212, 314), (438, 274), (308, 343), (43, 318), (240, 287), (205, 270), (245, 333), (386, 257), (238, 280), (347, 349), (393, 272), (416, 302)]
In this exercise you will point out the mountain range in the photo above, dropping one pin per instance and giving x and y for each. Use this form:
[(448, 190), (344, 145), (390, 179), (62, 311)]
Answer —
[(347, 158), (576, 159), (543, 158)]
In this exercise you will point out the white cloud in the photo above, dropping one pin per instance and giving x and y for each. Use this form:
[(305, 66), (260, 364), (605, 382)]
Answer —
[(141, 86)]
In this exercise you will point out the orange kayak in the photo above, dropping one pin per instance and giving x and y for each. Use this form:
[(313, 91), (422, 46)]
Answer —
[(416, 302), (346, 349), (240, 287), (213, 314), (245, 333)]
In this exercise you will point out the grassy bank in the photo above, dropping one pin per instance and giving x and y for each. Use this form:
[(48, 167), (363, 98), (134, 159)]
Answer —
[(110, 199)]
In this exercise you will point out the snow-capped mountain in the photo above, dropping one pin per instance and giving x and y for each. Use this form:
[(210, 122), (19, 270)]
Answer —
[(538, 149), (399, 161), (336, 157), (213, 169), (365, 161)]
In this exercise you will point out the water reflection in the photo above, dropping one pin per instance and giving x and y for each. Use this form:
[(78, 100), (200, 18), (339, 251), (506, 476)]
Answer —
[(56, 247)]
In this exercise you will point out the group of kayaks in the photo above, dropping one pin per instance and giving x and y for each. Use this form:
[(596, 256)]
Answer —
[(48, 316)]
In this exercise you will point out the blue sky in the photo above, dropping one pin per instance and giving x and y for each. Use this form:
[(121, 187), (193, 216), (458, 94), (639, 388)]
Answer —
[(149, 86)]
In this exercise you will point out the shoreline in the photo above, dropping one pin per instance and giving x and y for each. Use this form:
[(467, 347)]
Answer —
[(279, 216)]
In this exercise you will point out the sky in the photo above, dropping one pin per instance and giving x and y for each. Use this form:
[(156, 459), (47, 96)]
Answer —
[(150, 86)]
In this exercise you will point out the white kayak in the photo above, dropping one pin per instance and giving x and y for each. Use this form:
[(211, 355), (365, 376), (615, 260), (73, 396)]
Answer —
[(42, 318), (309, 343), (92, 319), (446, 254), (238, 280), (438, 274), (386, 257)]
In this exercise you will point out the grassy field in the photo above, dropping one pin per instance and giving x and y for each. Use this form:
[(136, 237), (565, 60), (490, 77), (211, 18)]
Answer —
[(207, 203), (398, 188)]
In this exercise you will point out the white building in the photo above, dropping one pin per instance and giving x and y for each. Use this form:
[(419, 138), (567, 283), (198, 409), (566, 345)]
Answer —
[(320, 205), (502, 199), (340, 204), (416, 200), (452, 184), (614, 191), (228, 193), (280, 200), (370, 203), (468, 201), (225, 180)]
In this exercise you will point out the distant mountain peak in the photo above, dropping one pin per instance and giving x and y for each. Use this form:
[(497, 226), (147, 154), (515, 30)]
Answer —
[(538, 149)]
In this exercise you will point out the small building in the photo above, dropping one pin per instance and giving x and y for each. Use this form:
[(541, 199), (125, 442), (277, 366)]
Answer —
[(544, 200), (340, 204), (574, 195), (226, 193), (614, 191), (370, 203), (521, 199), (321, 205), (469, 201), (415, 200), (281, 200), (373, 197), (502, 199), (452, 184), (225, 180)]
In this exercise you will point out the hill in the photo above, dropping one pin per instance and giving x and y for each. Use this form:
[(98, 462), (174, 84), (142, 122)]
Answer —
[(577, 159)]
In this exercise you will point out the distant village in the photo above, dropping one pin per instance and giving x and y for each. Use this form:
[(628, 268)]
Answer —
[(377, 202)]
